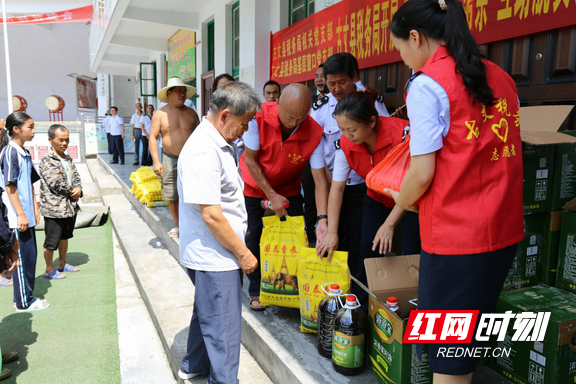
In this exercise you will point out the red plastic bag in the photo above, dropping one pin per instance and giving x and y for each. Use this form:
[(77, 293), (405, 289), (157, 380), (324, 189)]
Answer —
[(389, 173)]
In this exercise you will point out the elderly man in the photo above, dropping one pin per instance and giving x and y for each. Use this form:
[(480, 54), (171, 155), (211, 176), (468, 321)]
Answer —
[(175, 123), (145, 124), (213, 222), (278, 144)]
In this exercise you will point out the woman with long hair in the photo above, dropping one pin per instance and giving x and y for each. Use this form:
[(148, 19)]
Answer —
[(465, 175)]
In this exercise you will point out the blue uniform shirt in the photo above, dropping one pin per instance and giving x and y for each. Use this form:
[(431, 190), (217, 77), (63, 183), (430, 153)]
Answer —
[(17, 168)]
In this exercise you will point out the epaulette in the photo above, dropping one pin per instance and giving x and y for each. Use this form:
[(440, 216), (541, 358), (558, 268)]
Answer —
[(337, 144), (380, 98), (320, 102)]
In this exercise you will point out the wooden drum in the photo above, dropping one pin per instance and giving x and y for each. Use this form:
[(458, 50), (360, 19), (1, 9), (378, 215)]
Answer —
[(19, 103), (54, 103)]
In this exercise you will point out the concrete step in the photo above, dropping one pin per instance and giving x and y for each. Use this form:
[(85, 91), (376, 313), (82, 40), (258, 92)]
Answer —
[(108, 185), (91, 192), (272, 336), (164, 286)]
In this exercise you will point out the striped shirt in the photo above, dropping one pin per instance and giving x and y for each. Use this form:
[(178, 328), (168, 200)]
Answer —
[(17, 168)]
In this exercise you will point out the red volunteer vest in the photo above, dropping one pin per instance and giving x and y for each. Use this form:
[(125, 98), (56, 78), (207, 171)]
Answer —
[(388, 135), (474, 203), (281, 162)]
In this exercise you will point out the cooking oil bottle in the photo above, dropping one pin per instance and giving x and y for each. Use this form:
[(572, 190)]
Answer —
[(348, 339), (392, 304), (327, 311)]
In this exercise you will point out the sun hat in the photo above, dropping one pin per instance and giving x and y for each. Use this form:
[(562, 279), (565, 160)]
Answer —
[(175, 82)]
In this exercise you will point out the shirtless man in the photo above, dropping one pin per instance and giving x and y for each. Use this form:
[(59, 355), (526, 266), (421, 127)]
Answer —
[(174, 123)]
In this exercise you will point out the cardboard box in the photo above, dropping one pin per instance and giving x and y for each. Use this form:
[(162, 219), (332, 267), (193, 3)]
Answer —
[(550, 361), (566, 273), (390, 360), (525, 269), (551, 245), (538, 129), (564, 183)]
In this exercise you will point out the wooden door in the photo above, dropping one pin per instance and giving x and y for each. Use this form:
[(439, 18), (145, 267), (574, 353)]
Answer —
[(543, 65), (207, 89)]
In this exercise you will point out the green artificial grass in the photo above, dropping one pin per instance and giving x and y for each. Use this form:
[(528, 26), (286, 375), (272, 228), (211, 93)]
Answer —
[(76, 339)]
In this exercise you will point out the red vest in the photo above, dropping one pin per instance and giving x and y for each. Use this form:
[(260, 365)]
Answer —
[(281, 162), (474, 203), (389, 135)]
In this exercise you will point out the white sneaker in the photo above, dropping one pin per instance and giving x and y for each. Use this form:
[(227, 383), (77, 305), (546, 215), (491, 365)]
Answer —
[(186, 376)]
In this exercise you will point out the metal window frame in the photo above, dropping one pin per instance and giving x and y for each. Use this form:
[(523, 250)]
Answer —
[(235, 70), (153, 79)]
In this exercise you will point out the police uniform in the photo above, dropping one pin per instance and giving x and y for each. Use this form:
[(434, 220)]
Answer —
[(379, 104)]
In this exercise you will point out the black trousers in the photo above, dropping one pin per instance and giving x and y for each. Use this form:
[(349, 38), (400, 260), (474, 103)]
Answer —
[(254, 233), (117, 148), (109, 139), (375, 214), (146, 157), (310, 212), (350, 224)]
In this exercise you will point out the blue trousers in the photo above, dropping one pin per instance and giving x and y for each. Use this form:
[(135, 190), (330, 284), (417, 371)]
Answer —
[(215, 328), (137, 140), (109, 139), (23, 276), (117, 148)]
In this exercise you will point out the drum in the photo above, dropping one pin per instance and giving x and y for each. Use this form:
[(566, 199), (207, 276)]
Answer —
[(54, 103), (19, 103)]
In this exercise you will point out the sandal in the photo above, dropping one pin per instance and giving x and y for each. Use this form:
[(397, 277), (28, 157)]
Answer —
[(6, 282), (54, 275), (5, 373), (37, 305), (174, 232), (69, 268), (9, 357), (256, 299)]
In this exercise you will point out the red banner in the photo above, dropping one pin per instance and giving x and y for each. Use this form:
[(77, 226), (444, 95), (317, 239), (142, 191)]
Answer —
[(361, 28), (69, 16)]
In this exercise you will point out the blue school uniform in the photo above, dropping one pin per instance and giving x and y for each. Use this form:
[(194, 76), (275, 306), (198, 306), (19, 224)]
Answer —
[(17, 168)]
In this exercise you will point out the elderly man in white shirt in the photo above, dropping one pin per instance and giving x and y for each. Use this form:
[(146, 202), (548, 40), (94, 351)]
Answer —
[(145, 124), (213, 224), (106, 126)]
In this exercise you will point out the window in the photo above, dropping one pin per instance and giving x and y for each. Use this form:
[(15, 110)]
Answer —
[(300, 9), (210, 33), (148, 79), (236, 40)]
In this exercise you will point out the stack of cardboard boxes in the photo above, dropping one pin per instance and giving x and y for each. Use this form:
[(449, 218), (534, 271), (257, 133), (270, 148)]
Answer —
[(547, 256)]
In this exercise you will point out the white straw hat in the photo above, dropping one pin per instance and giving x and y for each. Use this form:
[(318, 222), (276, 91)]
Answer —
[(175, 82)]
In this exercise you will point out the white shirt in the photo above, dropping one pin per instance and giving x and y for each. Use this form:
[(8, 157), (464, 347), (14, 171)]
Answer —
[(252, 141), (429, 113), (135, 120), (147, 121), (116, 123), (331, 136), (342, 168), (380, 106), (106, 123), (208, 175)]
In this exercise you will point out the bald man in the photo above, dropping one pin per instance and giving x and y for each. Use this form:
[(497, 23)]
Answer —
[(279, 142)]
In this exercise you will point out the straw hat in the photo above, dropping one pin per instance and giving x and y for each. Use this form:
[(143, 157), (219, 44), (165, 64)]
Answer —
[(175, 82)]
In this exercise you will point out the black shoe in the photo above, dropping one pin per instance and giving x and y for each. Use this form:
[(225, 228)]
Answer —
[(122, 163), (136, 163), (113, 162)]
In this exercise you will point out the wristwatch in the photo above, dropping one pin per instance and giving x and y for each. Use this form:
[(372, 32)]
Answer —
[(320, 217)]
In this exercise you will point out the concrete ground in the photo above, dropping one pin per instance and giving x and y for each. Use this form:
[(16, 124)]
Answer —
[(272, 337)]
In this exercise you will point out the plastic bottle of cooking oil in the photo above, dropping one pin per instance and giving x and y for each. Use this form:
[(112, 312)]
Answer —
[(327, 311), (392, 304), (348, 339)]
